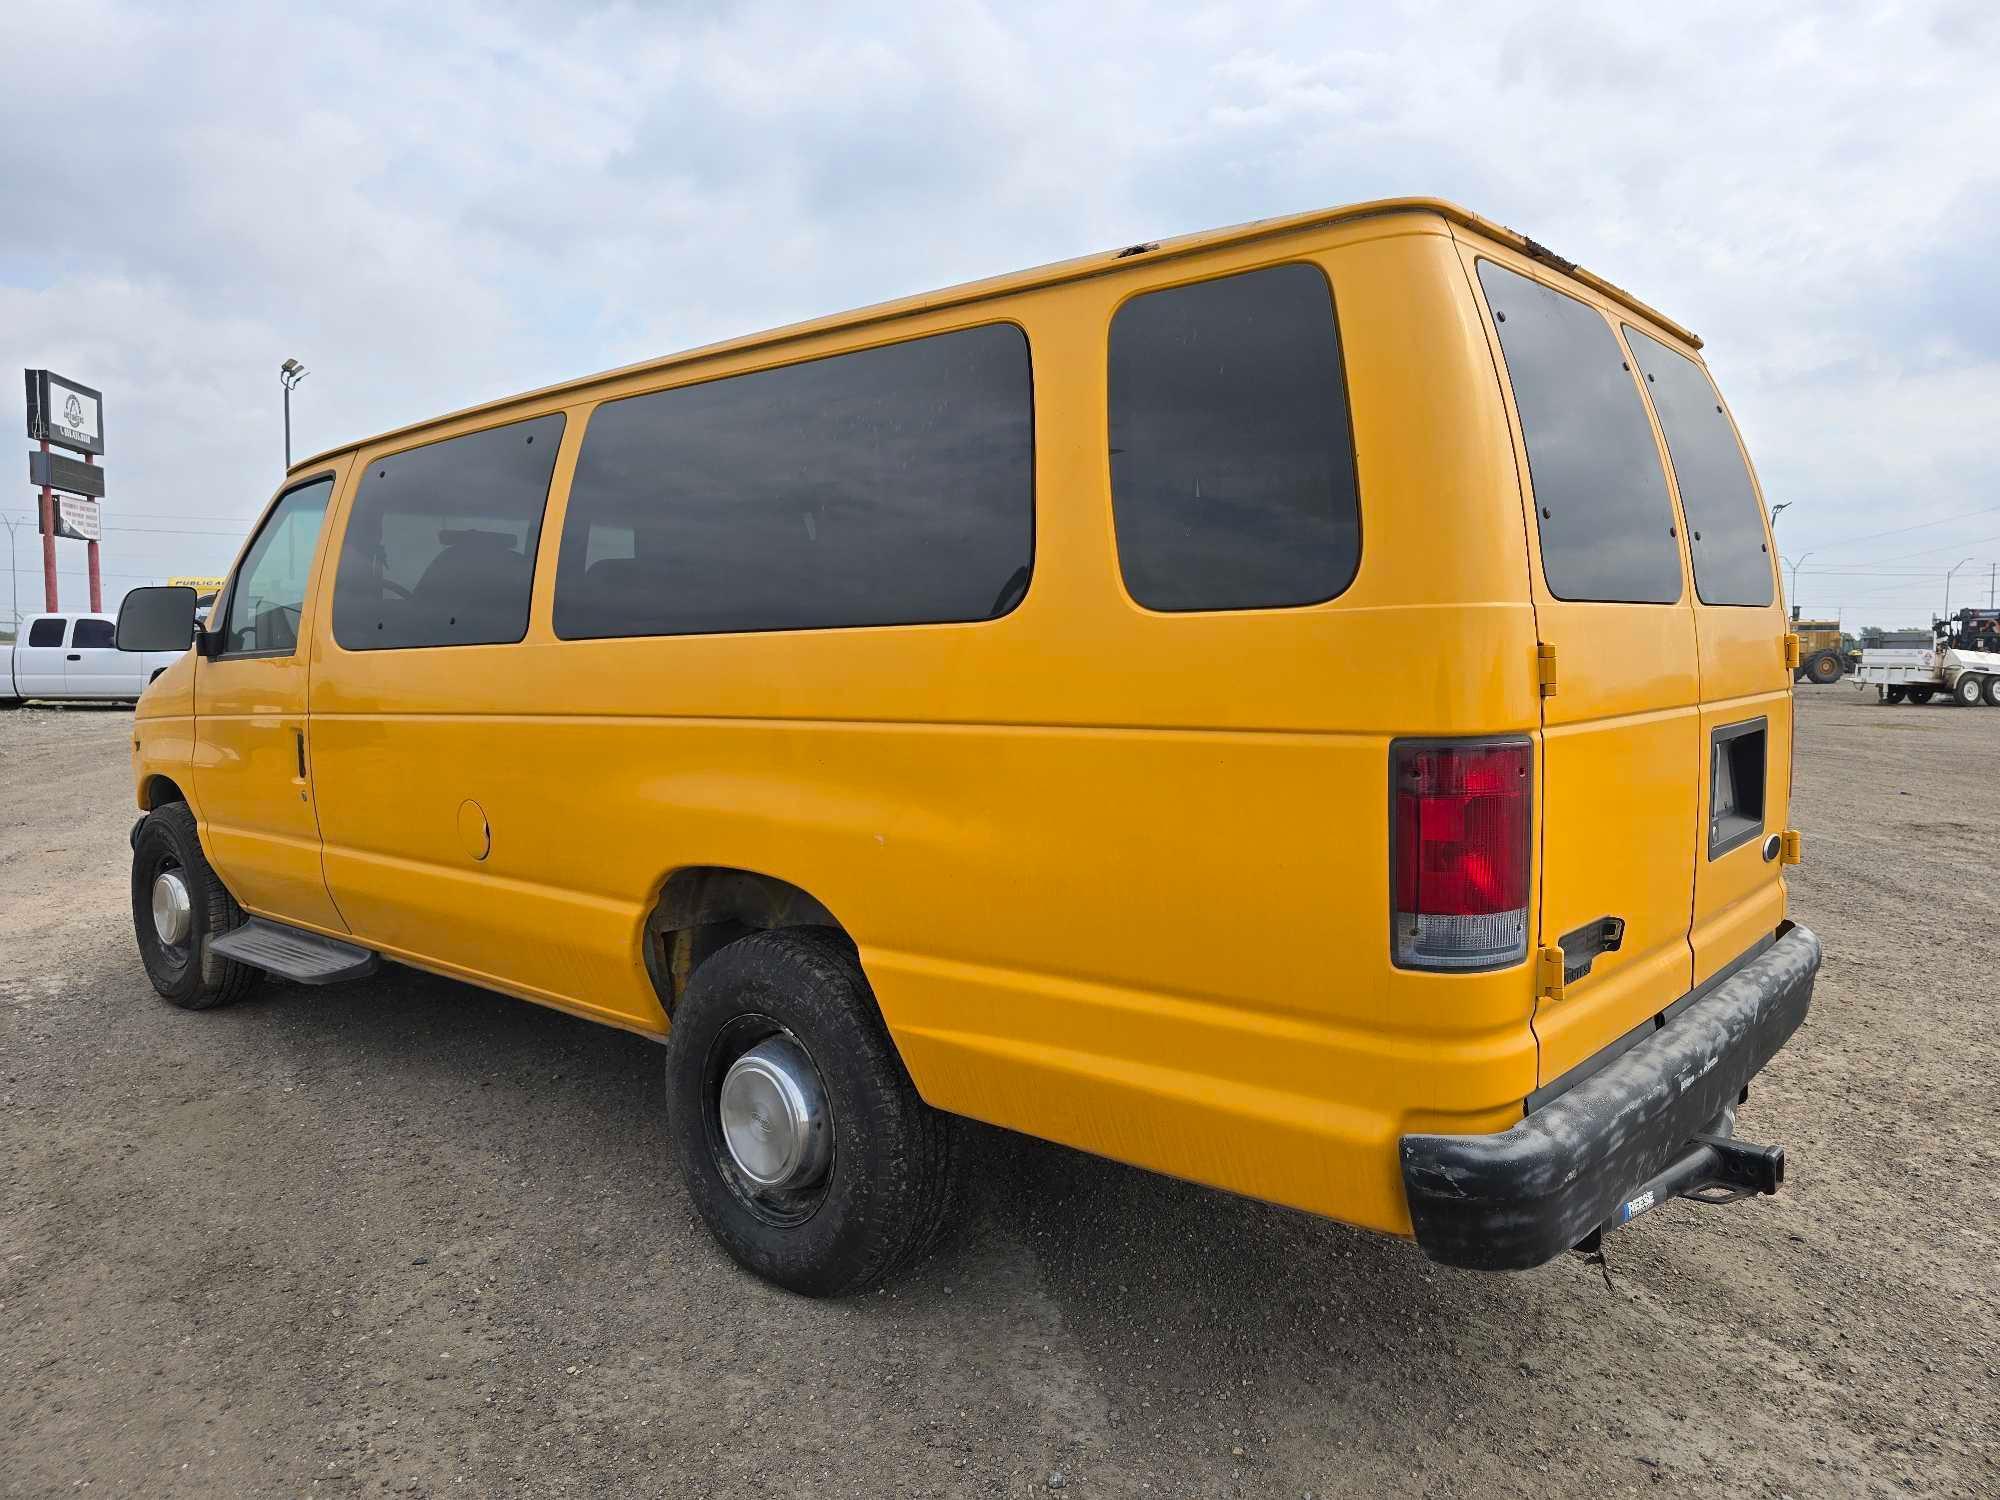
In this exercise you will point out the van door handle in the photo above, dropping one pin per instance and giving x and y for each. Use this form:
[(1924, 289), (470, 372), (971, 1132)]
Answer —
[(299, 739), (76, 656)]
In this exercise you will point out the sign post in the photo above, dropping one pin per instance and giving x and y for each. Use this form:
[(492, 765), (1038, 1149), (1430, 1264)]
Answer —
[(70, 415)]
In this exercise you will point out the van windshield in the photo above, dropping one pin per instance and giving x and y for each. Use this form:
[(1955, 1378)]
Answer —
[(1732, 560)]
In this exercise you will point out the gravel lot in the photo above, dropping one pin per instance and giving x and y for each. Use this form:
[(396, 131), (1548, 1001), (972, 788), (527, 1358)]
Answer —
[(405, 1237)]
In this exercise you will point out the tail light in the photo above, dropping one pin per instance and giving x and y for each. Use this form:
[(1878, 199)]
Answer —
[(1461, 838)]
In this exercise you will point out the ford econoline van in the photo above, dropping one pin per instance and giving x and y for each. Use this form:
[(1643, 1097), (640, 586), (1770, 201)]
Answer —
[(1305, 708)]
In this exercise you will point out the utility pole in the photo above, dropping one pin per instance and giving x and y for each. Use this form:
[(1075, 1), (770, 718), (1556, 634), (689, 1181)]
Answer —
[(13, 575)]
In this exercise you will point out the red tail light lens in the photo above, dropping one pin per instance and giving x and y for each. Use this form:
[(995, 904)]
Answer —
[(1462, 847)]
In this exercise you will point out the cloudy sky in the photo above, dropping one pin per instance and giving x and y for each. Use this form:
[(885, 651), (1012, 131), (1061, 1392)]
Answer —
[(435, 205)]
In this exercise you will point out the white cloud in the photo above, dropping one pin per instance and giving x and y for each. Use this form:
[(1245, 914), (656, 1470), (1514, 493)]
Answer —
[(435, 206)]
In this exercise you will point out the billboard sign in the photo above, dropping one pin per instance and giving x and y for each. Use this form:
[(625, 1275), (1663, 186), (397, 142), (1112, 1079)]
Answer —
[(78, 519), (63, 412), (60, 472)]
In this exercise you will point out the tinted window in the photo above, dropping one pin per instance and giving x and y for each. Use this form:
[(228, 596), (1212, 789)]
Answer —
[(1232, 462), (1726, 529), (1606, 519), (269, 590), (891, 486), (440, 548), (95, 633), (48, 632)]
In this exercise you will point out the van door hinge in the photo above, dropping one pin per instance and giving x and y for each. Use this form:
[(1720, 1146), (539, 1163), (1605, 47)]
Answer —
[(1791, 651), (1549, 973), (1791, 848), (1545, 668)]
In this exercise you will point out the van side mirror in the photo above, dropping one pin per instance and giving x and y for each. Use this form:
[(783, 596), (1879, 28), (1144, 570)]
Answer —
[(157, 618)]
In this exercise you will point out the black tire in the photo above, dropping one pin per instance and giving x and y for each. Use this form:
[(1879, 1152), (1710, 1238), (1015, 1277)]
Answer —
[(186, 972), (1920, 695), (1823, 667), (1993, 692), (1891, 694), (885, 1192), (1967, 693)]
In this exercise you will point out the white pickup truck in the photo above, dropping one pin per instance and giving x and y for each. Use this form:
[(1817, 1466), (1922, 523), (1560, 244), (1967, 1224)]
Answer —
[(72, 656)]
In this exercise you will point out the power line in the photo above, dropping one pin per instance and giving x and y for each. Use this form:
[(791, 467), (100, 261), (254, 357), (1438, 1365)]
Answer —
[(1984, 510)]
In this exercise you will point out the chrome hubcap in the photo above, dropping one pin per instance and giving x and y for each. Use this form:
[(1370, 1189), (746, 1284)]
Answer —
[(774, 1116), (173, 911)]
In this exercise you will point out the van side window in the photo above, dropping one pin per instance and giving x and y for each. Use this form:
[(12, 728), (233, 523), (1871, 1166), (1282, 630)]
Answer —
[(1607, 523), (93, 634), (440, 546), (269, 590), (891, 486), (1725, 526), (46, 632), (1232, 456)]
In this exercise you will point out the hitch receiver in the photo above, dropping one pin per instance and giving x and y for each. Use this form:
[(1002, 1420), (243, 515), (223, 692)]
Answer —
[(1715, 1169)]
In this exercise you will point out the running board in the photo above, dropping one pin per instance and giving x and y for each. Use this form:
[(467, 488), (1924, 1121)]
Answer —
[(292, 953)]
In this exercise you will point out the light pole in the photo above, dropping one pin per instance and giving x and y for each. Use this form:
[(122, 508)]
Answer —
[(13, 577), (1795, 581), (1947, 585), (1779, 509), (290, 373)]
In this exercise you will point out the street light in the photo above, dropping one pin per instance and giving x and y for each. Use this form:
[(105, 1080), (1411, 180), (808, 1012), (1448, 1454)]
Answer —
[(1779, 509), (1795, 581), (290, 373), (1947, 585)]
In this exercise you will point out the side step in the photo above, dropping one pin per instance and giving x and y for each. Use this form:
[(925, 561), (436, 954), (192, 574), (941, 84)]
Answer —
[(291, 953)]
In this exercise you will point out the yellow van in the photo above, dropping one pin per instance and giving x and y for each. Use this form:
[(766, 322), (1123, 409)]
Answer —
[(1304, 707)]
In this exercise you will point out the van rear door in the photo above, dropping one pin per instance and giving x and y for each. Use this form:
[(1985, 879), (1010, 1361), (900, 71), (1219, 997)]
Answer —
[(1620, 711), (1744, 772)]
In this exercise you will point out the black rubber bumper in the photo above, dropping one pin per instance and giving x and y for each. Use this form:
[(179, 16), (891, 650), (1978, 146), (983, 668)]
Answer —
[(1515, 1199)]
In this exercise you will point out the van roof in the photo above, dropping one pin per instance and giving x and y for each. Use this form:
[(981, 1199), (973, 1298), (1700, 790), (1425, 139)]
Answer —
[(1048, 275)]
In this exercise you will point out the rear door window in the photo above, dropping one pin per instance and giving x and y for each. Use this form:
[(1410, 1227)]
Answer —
[(440, 548), (1607, 523), (46, 632), (1732, 561), (1232, 458), (93, 634)]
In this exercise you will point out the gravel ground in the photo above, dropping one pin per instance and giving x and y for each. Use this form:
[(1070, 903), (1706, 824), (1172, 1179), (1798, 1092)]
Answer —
[(405, 1237)]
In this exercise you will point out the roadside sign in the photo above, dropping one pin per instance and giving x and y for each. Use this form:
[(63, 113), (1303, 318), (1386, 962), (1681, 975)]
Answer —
[(60, 472), (80, 520), (64, 412)]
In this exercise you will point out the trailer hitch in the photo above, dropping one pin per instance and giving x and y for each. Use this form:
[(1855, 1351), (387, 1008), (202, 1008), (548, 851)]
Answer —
[(1714, 1170)]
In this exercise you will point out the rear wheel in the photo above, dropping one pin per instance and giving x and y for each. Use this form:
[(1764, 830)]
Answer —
[(799, 1135), (1920, 695), (1967, 692), (177, 905), (1823, 667), (1993, 692)]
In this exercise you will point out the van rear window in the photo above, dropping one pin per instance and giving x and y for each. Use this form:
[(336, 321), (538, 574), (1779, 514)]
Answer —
[(890, 486), (1232, 459), (1732, 560), (1607, 523)]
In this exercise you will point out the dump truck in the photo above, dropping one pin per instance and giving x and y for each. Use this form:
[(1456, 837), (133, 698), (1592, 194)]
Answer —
[(1823, 654)]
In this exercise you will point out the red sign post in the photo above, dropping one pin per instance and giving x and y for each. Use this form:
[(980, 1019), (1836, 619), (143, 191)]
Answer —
[(70, 415)]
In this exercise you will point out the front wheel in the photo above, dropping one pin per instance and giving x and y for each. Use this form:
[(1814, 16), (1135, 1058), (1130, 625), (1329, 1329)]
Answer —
[(1890, 694), (1920, 695), (177, 905), (799, 1135), (1824, 668)]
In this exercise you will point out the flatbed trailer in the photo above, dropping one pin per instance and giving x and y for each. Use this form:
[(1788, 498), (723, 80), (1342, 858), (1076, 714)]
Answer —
[(1916, 675)]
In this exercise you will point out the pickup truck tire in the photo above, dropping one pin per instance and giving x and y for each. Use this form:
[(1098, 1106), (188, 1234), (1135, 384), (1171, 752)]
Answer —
[(1967, 692), (859, 1182), (184, 971)]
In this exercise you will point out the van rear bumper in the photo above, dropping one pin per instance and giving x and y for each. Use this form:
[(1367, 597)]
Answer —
[(1518, 1198)]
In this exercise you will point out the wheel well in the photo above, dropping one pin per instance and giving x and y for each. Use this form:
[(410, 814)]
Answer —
[(705, 907), (160, 791)]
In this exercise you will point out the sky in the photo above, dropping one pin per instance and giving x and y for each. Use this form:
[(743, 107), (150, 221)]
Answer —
[(433, 206)]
